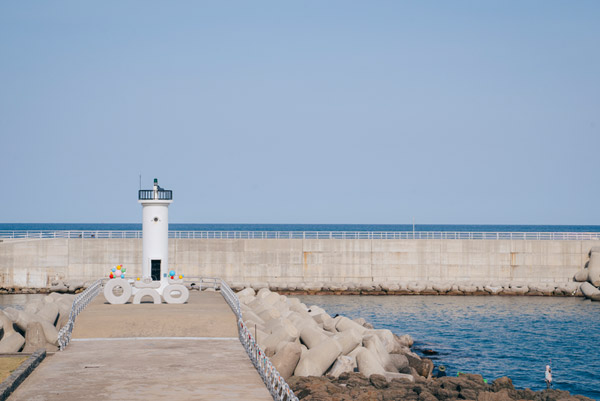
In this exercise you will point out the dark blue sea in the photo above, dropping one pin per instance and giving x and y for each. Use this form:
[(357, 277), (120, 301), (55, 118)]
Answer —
[(302, 227), (493, 336)]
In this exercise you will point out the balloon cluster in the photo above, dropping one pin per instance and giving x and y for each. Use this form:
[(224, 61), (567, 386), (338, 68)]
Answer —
[(118, 271), (172, 275)]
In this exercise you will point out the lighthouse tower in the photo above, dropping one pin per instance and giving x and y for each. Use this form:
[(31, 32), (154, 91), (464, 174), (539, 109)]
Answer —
[(155, 228)]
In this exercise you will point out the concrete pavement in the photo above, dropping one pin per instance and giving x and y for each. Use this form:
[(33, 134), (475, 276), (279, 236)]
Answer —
[(149, 352)]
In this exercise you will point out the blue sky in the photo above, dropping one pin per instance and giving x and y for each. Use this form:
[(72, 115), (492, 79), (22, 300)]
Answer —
[(302, 112)]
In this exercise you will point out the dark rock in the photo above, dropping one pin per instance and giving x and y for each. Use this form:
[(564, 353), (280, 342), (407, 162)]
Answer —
[(472, 381), (353, 379), (501, 383), (355, 386), (378, 381), (424, 366), (526, 394), (418, 389), (555, 395), (444, 394), (467, 394), (394, 394), (427, 396), (502, 395)]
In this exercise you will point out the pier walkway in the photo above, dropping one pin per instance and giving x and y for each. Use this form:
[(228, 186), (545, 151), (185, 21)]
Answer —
[(149, 352)]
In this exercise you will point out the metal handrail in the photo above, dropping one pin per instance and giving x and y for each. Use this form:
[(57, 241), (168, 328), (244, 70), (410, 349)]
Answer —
[(79, 303), (386, 235), (276, 385)]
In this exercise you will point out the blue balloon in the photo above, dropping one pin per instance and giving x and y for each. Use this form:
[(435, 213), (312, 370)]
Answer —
[(172, 273), (182, 275), (113, 270), (122, 276)]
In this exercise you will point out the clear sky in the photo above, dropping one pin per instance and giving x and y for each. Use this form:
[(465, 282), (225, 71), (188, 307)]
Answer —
[(475, 112)]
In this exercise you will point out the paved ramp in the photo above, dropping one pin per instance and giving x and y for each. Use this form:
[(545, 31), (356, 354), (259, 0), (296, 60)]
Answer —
[(149, 352)]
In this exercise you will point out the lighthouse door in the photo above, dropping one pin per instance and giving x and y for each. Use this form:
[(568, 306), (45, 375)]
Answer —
[(155, 269)]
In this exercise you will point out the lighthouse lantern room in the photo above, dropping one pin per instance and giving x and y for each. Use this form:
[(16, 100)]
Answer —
[(155, 230)]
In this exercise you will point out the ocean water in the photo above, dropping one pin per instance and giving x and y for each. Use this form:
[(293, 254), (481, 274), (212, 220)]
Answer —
[(302, 227), (493, 336), (17, 301)]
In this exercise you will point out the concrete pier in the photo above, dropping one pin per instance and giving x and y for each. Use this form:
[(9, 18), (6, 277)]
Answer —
[(150, 352)]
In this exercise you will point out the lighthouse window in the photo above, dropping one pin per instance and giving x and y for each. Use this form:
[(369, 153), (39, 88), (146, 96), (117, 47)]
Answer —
[(156, 219), (155, 269)]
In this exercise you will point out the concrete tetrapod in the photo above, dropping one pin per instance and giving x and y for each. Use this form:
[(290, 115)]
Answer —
[(35, 339), (317, 360), (286, 359), (286, 333), (11, 340), (48, 312), (373, 344), (400, 362), (268, 314), (274, 324), (344, 324), (594, 268), (246, 291), (348, 340), (342, 364), (387, 339), (368, 363), (581, 276), (34, 306), (22, 319), (589, 290), (312, 336), (271, 298)]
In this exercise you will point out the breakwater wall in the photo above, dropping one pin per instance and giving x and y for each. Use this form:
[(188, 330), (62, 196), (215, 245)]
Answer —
[(36, 263)]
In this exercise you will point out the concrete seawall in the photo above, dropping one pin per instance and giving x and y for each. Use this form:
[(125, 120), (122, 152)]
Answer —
[(35, 263)]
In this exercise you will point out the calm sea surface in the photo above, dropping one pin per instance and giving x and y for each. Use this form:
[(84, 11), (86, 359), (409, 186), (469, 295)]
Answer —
[(17, 301), (492, 336), (301, 227)]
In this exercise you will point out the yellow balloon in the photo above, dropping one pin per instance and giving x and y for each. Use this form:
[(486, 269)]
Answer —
[(138, 279), (180, 277)]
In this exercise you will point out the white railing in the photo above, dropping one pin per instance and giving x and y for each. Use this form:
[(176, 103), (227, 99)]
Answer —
[(481, 235), (279, 389), (79, 303)]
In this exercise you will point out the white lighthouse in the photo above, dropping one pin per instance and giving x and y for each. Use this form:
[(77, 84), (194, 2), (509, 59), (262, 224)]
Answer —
[(157, 282), (155, 230)]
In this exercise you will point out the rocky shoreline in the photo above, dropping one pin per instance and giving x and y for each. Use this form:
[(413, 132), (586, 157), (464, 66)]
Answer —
[(413, 288), (336, 358), (355, 386), (419, 288), (58, 286)]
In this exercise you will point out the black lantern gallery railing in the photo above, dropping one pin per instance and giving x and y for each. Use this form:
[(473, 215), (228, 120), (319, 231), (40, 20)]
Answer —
[(149, 194)]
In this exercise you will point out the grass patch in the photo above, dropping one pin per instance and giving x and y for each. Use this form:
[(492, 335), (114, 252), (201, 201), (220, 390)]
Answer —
[(8, 364)]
